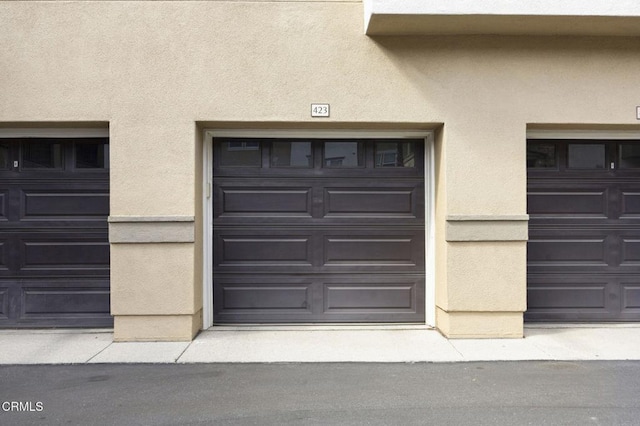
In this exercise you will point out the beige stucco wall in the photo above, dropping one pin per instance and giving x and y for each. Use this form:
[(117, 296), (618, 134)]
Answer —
[(159, 72)]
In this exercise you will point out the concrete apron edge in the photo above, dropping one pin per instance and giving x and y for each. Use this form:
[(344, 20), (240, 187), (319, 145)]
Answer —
[(312, 327), (205, 349), (612, 325), (26, 331), (316, 327)]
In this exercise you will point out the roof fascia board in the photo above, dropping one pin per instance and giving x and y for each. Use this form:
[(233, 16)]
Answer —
[(390, 17)]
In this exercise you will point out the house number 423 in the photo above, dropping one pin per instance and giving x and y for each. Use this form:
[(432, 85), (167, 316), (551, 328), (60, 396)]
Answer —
[(319, 110)]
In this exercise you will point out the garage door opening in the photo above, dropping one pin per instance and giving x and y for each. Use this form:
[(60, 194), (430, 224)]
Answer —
[(318, 230), (584, 230), (54, 248)]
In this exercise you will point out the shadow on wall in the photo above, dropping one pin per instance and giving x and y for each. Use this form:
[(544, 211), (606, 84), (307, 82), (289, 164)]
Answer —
[(494, 73)]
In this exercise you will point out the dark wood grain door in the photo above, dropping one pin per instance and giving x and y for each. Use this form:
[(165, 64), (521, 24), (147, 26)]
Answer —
[(54, 249), (318, 230), (584, 230)]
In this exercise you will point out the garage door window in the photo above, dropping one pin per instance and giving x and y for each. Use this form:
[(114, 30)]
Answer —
[(291, 154), (343, 154), (395, 154), (4, 157), (586, 156), (630, 156), (42, 155), (91, 155), (541, 156), (240, 153)]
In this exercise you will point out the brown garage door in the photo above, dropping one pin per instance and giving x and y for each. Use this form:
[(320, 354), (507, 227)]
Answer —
[(584, 231), (54, 250), (318, 230)]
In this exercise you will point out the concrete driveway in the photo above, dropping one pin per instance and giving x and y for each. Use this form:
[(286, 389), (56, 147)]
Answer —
[(321, 344)]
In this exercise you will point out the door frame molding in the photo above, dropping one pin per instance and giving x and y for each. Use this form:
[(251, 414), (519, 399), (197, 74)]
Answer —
[(582, 134), (207, 185)]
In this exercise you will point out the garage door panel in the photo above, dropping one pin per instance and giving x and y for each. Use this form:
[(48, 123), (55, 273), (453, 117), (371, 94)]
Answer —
[(276, 221), (57, 255), (4, 267), (41, 203), (319, 201), (630, 252), (580, 315), (321, 298), (266, 201), (564, 296), (4, 303), (630, 205), (631, 296), (368, 250), (10, 253), (250, 297), (585, 251), (389, 298), (373, 250), (283, 249), (381, 297), (4, 199), (609, 246), (371, 201), (576, 297), (254, 297), (264, 249), (63, 302), (53, 301), (568, 202)]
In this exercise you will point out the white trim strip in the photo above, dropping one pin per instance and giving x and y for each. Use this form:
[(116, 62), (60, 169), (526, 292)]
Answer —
[(505, 7), (582, 134), (430, 232), (429, 170), (207, 211), (319, 134)]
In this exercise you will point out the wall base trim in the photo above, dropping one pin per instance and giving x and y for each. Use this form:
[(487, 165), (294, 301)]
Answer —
[(479, 325), (156, 328)]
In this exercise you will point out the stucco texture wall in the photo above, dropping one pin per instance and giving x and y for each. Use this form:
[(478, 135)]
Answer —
[(155, 71)]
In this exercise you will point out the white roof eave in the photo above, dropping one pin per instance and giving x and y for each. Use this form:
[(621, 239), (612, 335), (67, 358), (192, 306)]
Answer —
[(604, 17)]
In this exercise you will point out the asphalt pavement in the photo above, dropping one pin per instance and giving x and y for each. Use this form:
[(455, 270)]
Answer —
[(469, 393)]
